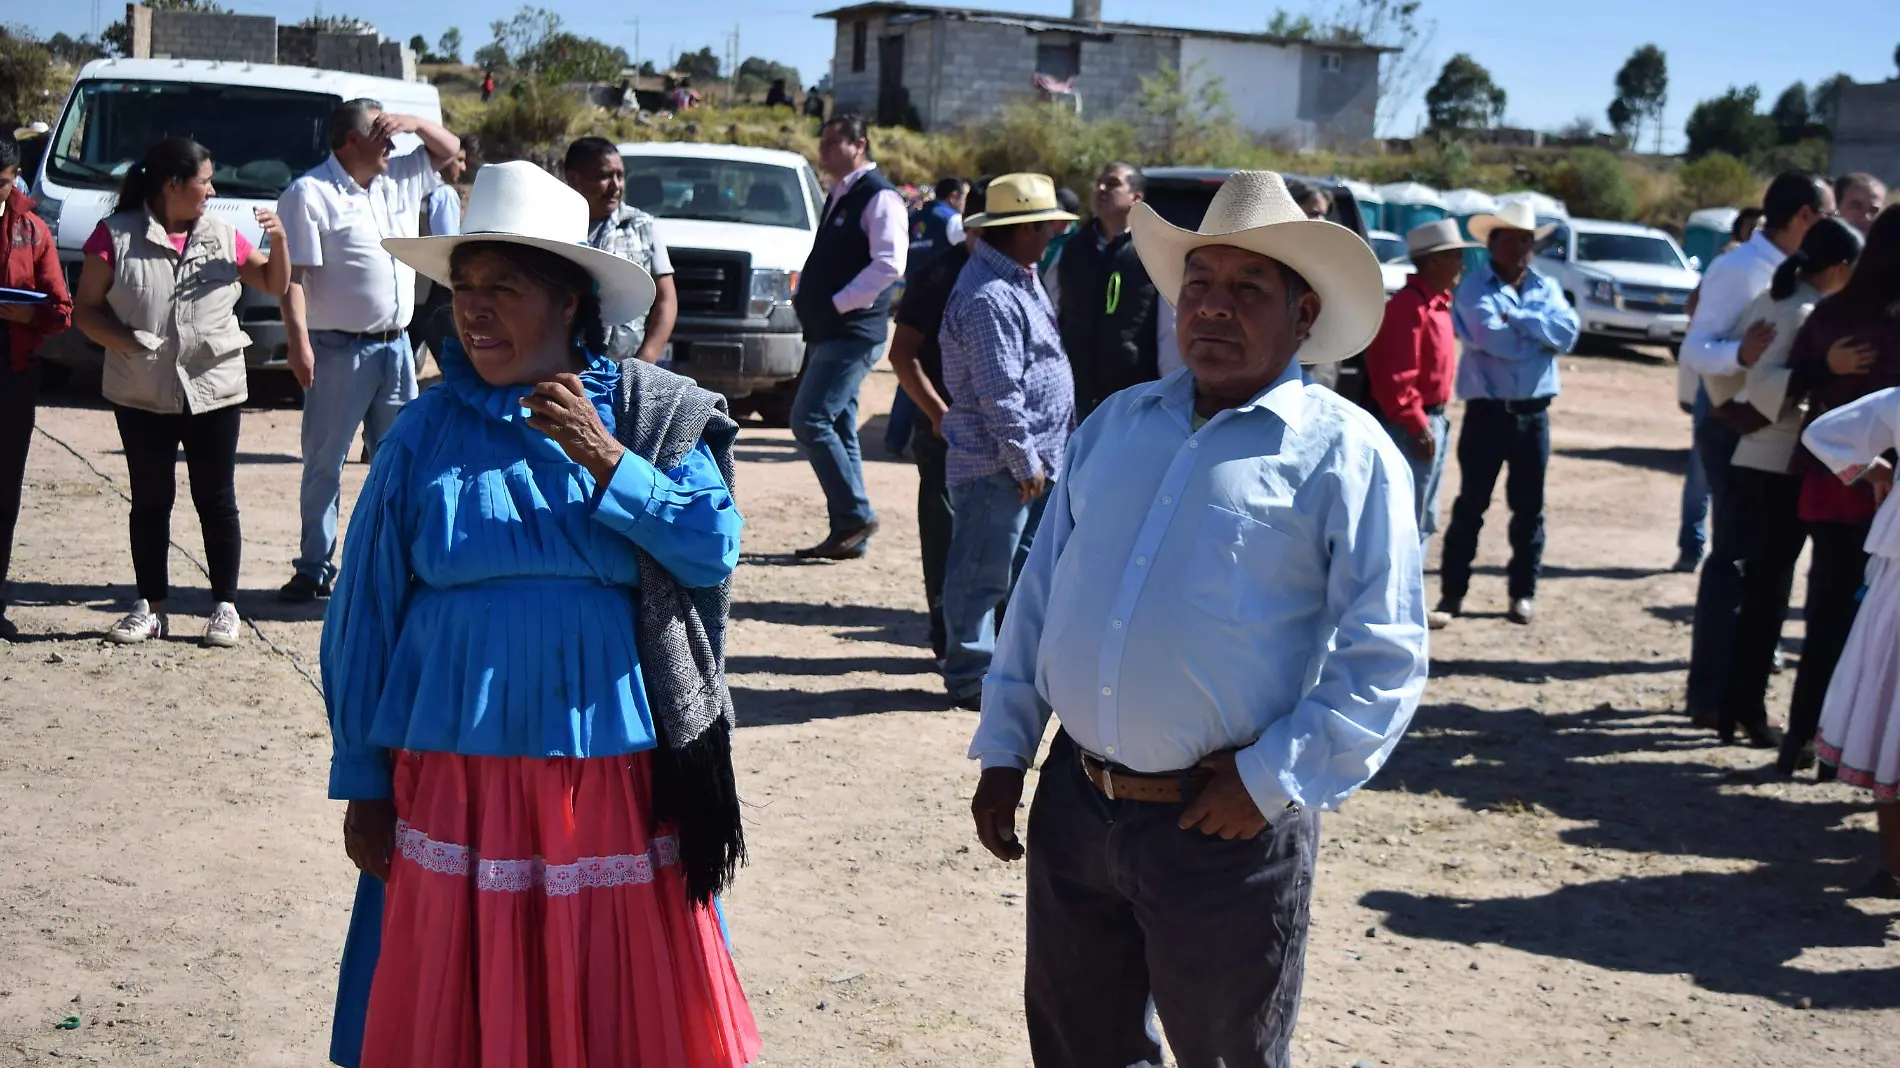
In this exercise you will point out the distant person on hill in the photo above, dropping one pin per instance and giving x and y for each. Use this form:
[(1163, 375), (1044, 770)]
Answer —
[(777, 96), (488, 86), (1860, 196), (814, 103)]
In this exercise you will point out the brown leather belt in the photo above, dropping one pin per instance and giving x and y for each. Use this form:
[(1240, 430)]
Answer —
[(1164, 787)]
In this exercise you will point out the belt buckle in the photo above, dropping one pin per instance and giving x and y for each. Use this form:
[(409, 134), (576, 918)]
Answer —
[(1108, 783)]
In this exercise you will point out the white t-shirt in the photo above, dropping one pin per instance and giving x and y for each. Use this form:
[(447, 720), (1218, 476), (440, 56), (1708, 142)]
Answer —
[(335, 230)]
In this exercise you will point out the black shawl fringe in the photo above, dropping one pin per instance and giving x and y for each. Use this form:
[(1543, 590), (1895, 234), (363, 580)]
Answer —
[(695, 790)]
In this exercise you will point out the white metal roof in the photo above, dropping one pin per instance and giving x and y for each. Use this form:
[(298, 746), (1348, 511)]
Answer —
[(776, 157), (344, 84)]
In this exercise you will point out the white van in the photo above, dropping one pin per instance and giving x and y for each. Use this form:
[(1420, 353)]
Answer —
[(265, 125)]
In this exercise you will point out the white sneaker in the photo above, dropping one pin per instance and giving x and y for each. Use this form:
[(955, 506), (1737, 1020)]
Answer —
[(223, 631), (138, 625)]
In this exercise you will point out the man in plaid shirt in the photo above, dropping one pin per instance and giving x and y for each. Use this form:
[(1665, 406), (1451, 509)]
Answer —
[(596, 171), (1014, 401)]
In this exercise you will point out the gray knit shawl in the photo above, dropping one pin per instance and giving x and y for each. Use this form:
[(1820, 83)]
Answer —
[(681, 633)]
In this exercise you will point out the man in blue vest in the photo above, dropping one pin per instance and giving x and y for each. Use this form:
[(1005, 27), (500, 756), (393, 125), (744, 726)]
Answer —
[(937, 227), (844, 304)]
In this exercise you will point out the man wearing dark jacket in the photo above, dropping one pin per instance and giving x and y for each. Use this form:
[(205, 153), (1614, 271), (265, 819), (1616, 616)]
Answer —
[(844, 305), (1105, 303)]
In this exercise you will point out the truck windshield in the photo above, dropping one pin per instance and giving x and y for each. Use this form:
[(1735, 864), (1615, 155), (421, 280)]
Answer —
[(717, 190), (260, 139), (1626, 248)]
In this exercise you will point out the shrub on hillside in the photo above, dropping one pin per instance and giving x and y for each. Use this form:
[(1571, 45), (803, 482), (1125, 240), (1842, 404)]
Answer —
[(532, 121), (1717, 180), (1051, 140), (1592, 184)]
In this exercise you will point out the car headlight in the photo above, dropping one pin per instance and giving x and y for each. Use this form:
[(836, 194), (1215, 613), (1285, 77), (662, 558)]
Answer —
[(1603, 291), (770, 289)]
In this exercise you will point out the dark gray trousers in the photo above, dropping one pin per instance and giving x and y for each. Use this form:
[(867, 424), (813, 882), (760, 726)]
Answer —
[(1124, 905)]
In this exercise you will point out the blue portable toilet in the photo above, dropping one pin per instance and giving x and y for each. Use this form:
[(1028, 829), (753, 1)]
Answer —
[(1708, 232), (1464, 205), (1409, 204), (1371, 204)]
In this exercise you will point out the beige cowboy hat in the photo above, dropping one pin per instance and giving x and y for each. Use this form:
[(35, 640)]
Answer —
[(1254, 211), (521, 204), (1014, 199), (1516, 215), (1439, 236)]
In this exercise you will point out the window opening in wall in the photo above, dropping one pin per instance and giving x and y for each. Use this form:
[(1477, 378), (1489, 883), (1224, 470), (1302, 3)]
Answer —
[(860, 44), (1330, 62), (1059, 61)]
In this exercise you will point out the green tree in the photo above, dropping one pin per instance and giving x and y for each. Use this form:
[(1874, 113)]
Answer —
[(1464, 97), (1190, 120), (1730, 123), (1717, 180), (1291, 27), (420, 46), (1591, 182), (1642, 85), (118, 37), (448, 48), (345, 25), (757, 75), (1825, 100), (701, 66), (1623, 120), (74, 50), (27, 78), (492, 56), (564, 57), (1791, 114)]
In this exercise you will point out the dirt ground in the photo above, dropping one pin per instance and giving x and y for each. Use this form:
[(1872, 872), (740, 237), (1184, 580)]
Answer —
[(1553, 870)]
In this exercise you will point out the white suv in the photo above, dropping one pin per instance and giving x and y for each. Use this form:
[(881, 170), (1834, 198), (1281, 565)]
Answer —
[(1627, 282)]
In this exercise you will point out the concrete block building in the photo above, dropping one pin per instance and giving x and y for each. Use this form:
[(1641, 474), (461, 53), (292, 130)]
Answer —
[(227, 38), (939, 67), (1867, 131)]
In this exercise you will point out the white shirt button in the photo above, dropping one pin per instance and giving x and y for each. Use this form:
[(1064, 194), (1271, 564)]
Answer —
[(1167, 500), (1111, 750), (1118, 624), (1141, 561), (1106, 690), (1194, 444)]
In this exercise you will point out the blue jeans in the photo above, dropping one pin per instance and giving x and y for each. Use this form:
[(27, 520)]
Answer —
[(825, 422), (1693, 535), (990, 535), (1718, 594), (1426, 474), (357, 384), (903, 418)]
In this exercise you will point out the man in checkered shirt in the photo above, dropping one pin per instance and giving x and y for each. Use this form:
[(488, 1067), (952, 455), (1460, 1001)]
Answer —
[(596, 171), (1014, 402)]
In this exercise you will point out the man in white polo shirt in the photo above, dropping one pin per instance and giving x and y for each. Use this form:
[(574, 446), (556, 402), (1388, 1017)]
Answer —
[(349, 305)]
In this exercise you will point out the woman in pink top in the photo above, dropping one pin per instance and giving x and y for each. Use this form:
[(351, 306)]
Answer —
[(158, 291)]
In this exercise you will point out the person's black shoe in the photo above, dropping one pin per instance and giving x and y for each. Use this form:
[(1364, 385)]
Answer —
[(1687, 563), (851, 544), (972, 703), (302, 589), (1763, 736), (1708, 717), (1826, 773), (8, 631), (1883, 884)]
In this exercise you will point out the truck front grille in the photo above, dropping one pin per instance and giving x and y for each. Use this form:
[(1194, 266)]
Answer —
[(711, 282), (1655, 299)]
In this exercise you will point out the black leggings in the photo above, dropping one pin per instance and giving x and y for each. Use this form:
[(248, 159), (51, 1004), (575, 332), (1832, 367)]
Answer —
[(19, 396), (151, 460)]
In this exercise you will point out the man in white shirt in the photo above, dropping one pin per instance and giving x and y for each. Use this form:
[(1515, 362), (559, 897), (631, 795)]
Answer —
[(349, 305), (844, 305), (433, 323), (1717, 346)]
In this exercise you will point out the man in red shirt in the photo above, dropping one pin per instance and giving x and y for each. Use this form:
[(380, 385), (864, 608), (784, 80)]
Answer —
[(1410, 365)]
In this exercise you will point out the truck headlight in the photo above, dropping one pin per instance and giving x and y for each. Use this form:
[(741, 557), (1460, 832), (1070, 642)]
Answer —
[(48, 210), (1603, 292), (770, 289)]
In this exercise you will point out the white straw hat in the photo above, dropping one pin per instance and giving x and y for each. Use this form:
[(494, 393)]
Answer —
[(1439, 236), (521, 204), (1517, 215), (1013, 199), (1254, 211)]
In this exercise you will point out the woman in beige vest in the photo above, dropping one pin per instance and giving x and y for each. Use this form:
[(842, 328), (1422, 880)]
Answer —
[(158, 291)]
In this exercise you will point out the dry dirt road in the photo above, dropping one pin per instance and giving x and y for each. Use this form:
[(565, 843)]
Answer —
[(1554, 869)]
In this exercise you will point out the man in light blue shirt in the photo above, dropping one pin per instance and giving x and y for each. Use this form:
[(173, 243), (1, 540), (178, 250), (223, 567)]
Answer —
[(1223, 607), (1514, 324)]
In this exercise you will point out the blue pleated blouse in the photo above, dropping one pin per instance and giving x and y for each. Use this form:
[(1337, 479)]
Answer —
[(485, 602)]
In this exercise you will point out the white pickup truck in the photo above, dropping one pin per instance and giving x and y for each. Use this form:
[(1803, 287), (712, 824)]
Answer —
[(1627, 282), (738, 224)]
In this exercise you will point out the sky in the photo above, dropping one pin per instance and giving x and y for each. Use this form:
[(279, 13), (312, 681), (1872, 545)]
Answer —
[(1556, 60)]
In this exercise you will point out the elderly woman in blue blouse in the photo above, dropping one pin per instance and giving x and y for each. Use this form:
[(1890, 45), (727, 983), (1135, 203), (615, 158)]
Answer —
[(523, 664)]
